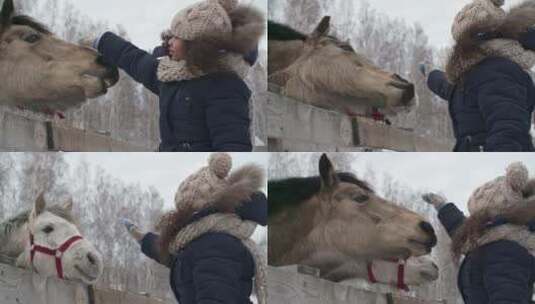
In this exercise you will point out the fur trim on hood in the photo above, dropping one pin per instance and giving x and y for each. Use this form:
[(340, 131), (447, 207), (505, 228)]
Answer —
[(470, 50), (217, 53), (475, 231)]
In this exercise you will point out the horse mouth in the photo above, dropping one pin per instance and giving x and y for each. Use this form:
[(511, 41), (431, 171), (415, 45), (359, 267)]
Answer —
[(406, 87), (107, 82), (427, 246), (107, 78), (429, 276), (85, 276)]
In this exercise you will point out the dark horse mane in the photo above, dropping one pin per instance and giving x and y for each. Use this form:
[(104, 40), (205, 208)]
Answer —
[(282, 32), (29, 21), (299, 189)]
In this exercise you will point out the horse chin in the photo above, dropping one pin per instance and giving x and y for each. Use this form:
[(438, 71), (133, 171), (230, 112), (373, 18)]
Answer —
[(395, 105), (83, 276), (429, 276), (94, 86), (418, 248)]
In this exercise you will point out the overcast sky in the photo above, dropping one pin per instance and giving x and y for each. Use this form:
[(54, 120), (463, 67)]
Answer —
[(144, 20), (456, 175), (164, 171), (436, 16)]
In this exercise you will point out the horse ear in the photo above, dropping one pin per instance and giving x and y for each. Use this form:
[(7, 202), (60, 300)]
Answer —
[(323, 28), (40, 204), (7, 12), (67, 206), (328, 175)]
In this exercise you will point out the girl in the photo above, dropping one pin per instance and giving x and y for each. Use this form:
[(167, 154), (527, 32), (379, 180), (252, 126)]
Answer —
[(204, 102), (206, 240), (490, 92), (497, 240)]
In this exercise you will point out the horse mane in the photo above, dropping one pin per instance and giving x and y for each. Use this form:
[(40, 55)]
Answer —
[(29, 21), (297, 190), (14, 223), (281, 32)]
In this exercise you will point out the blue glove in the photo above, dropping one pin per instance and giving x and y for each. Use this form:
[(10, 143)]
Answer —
[(531, 226), (422, 69), (160, 51), (528, 39), (251, 57), (127, 223)]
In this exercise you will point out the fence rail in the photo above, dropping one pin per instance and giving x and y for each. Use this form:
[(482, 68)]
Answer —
[(18, 286), (298, 285), (20, 133), (296, 126)]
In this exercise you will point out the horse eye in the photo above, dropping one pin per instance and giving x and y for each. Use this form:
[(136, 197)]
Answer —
[(32, 38), (48, 229), (347, 47), (361, 198)]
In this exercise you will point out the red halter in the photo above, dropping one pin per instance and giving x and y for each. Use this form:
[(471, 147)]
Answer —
[(56, 253), (401, 275)]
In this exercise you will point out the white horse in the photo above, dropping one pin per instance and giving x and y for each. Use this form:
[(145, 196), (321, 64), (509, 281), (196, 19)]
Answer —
[(47, 240), (415, 271)]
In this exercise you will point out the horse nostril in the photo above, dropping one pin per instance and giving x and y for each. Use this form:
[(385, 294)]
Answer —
[(408, 94), (399, 78), (91, 259), (428, 228), (112, 74), (100, 60)]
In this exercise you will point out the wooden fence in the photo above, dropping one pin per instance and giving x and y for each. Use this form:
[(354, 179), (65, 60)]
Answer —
[(20, 133), (18, 286), (301, 285), (299, 127)]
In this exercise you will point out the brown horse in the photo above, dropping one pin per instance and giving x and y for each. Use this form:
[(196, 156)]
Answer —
[(334, 220), (43, 73), (324, 71)]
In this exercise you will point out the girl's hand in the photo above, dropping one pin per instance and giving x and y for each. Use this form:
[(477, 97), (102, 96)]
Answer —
[(133, 229), (436, 200)]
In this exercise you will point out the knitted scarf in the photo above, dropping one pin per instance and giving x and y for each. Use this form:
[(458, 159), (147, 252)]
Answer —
[(170, 70), (459, 64)]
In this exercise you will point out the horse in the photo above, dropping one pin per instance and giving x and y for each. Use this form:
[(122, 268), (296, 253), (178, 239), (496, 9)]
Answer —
[(47, 240), (415, 271), (321, 70), (337, 223), (42, 73)]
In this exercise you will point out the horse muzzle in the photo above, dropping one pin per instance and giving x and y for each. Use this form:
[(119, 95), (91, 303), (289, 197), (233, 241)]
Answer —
[(407, 88)]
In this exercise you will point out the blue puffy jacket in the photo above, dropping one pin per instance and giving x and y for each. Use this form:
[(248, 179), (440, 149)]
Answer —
[(501, 272), (210, 113), (216, 268), (491, 110)]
